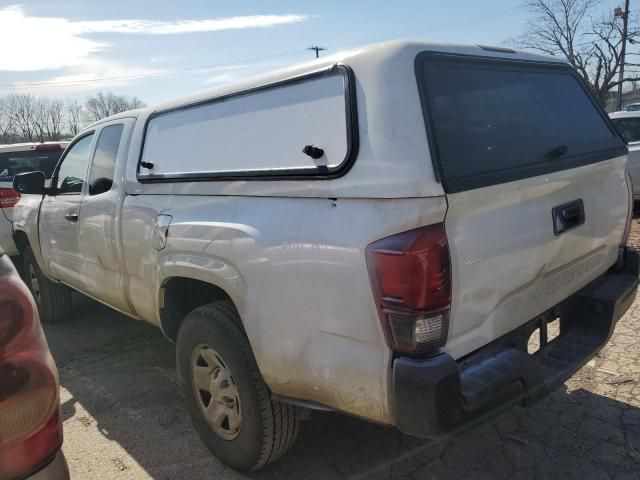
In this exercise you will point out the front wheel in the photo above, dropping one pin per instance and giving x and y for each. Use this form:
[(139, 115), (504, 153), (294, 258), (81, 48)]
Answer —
[(53, 299), (229, 404)]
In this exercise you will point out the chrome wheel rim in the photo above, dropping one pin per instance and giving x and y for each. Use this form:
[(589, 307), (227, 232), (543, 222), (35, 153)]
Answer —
[(34, 283), (216, 392)]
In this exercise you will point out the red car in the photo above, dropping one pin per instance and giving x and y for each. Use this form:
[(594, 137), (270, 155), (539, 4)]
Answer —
[(30, 419)]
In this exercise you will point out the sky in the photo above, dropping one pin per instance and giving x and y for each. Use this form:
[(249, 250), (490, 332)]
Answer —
[(157, 50)]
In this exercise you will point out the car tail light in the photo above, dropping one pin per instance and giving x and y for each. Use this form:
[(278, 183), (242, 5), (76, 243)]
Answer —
[(8, 197), (627, 228), (411, 278), (30, 427)]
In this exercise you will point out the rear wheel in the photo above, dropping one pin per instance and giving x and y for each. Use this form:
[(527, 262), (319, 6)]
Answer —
[(53, 299), (229, 404)]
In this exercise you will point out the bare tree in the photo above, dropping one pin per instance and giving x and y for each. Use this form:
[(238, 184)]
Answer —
[(23, 108), (40, 108), (6, 121), (55, 119), (589, 39), (73, 114), (102, 105), (27, 118)]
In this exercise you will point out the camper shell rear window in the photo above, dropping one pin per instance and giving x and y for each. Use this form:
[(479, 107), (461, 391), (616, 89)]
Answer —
[(494, 121), (257, 133)]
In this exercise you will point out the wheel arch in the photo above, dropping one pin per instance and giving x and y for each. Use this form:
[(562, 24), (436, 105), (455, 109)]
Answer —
[(180, 295), (21, 240)]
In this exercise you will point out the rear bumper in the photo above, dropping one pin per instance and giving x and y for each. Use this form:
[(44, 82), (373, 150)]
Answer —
[(437, 395)]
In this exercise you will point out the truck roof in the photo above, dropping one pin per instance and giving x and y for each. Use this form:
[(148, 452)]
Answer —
[(377, 53), (20, 147)]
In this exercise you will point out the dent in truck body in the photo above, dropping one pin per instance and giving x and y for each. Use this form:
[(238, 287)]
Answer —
[(258, 250), (539, 269)]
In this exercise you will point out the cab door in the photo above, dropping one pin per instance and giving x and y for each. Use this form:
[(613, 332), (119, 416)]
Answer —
[(102, 256), (60, 214)]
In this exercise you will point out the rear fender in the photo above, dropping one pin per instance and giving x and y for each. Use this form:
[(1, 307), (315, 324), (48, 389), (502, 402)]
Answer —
[(26, 214), (214, 271)]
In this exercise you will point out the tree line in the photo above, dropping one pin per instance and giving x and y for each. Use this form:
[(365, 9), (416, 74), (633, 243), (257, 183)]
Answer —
[(588, 35), (25, 117)]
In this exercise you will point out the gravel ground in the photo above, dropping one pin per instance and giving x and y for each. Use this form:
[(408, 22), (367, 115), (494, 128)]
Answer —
[(124, 418), (634, 235)]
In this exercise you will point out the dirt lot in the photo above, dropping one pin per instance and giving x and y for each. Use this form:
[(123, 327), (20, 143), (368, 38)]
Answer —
[(124, 418)]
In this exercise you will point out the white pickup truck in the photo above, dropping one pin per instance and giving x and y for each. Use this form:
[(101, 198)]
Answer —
[(378, 232)]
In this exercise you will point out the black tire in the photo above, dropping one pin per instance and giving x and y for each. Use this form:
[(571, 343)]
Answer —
[(53, 299), (268, 428)]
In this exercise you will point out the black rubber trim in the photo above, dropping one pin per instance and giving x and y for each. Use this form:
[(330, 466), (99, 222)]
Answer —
[(314, 173), (439, 395), (460, 184)]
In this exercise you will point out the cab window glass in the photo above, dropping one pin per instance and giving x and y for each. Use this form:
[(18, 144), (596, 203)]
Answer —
[(73, 172), (104, 160)]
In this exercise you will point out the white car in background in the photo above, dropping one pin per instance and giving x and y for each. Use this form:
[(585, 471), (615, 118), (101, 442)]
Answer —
[(632, 107), (628, 125), (17, 158)]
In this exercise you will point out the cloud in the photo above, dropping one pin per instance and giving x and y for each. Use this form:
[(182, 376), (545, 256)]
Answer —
[(96, 75), (152, 27), (40, 43), (45, 43), (92, 75)]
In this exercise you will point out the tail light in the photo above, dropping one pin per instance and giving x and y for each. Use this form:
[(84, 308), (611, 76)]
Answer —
[(8, 197), (411, 278), (30, 427), (627, 228)]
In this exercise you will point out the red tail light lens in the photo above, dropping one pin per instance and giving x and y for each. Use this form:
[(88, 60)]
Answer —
[(627, 228), (8, 197), (411, 278), (30, 429)]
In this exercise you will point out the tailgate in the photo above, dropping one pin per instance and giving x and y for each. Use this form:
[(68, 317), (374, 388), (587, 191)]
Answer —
[(535, 181), (509, 266)]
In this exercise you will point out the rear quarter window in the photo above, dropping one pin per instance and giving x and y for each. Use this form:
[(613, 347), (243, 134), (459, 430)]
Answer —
[(492, 122), (12, 163)]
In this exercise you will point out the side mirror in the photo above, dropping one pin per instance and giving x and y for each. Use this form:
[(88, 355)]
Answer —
[(29, 183)]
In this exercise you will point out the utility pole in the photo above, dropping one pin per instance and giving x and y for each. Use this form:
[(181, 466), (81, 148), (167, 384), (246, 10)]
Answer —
[(623, 50), (320, 49)]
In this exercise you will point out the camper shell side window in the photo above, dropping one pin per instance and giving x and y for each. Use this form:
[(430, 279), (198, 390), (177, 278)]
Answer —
[(302, 126)]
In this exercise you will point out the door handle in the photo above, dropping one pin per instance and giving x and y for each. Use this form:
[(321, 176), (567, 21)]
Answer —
[(71, 216), (568, 216)]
